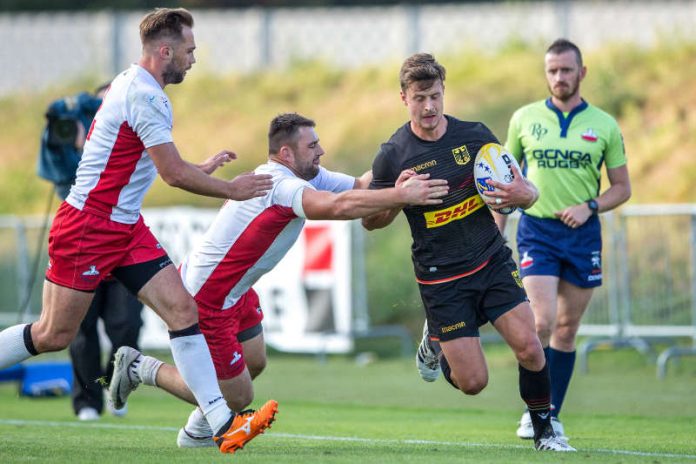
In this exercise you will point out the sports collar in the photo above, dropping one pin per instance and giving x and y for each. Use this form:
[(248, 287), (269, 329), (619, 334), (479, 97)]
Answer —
[(564, 122)]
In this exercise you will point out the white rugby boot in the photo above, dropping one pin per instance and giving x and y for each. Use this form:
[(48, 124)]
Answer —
[(125, 378), (558, 428), (550, 442), (427, 361), (525, 430), (196, 433)]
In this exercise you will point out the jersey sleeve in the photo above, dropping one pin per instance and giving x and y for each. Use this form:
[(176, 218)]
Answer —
[(288, 193), (615, 155), (383, 171), (332, 181), (513, 143), (150, 117)]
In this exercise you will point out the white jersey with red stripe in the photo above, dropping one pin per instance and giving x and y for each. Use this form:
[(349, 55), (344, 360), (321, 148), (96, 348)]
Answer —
[(248, 238), (115, 170)]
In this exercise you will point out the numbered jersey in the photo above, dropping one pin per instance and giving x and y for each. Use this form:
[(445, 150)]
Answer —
[(248, 238), (115, 170)]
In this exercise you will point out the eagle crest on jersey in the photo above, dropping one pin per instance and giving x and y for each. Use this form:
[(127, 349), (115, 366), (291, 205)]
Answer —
[(461, 155)]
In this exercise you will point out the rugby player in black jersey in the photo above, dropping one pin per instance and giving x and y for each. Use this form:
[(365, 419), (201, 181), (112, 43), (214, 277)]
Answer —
[(464, 270)]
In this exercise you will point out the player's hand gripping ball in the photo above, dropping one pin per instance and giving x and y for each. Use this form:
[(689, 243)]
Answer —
[(494, 162)]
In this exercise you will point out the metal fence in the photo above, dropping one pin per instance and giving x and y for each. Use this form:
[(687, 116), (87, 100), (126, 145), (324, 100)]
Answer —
[(649, 291), (42, 49)]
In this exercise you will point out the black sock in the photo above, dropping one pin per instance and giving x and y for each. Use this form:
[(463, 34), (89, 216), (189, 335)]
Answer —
[(447, 371), (192, 330), (28, 342), (535, 390)]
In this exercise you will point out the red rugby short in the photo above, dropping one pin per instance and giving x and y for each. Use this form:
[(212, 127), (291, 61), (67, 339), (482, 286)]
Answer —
[(83, 248), (220, 328)]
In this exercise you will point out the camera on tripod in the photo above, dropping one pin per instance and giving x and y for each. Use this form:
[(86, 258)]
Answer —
[(62, 117), (67, 120), (62, 131)]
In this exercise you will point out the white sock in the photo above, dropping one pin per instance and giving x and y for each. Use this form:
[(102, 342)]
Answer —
[(192, 359), (12, 347), (147, 370), (197, 425)]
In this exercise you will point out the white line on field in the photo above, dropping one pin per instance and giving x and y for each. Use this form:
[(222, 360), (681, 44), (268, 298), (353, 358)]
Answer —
[(375, 441)]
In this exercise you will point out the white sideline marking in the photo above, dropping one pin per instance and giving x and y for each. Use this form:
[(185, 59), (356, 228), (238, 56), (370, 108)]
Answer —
[(375, 441)]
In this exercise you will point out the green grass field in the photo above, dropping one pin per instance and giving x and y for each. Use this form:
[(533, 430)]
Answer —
[(340, 412)]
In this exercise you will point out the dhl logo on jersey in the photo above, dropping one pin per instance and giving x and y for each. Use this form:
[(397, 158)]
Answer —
[(453, 213)]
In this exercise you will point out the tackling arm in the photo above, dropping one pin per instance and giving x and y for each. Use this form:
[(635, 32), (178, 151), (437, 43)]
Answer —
[(384, 218), (179, 173), (363, 181), (381, 219), (354, 204)]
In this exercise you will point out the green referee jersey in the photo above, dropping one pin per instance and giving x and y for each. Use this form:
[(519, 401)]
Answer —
[(563, 153)]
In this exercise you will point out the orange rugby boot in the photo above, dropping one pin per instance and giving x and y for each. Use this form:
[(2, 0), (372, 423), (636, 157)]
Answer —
[(245, 426)]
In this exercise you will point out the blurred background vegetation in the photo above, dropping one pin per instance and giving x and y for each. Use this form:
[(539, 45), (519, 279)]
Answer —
[(649, 90)]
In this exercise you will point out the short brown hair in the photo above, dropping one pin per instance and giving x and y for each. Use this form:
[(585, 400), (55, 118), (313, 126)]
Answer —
[(564, 45), (164, 22), (421, 68), (284, 129)]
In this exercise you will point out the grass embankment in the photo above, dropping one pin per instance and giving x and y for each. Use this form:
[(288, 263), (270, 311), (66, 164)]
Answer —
[(650, 91)]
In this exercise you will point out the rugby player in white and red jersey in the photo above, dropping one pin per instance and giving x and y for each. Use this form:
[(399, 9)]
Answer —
[(245, 241), (98, 231)]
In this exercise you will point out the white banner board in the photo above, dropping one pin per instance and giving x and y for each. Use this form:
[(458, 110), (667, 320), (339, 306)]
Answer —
[(306, 299)]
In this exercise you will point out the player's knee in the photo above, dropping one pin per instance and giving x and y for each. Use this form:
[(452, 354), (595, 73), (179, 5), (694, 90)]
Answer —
[(473, 388), (543, 329), (531, 356), (471, 385), (257, 367), (183, 313), (565, 334)]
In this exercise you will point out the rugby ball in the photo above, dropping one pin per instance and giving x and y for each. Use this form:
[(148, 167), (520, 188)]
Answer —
[(494, 162)]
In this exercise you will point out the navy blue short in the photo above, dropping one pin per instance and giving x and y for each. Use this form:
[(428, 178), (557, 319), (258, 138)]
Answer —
[(549, 247), (457, 308)]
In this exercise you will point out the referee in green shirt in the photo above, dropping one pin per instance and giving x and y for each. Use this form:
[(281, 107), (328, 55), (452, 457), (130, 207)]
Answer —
[(562, 143)]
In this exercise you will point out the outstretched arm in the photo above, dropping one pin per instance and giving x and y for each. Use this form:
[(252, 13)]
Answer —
[(354, 204), (180, 173), (386, 217), (363, 181), (210, 165)]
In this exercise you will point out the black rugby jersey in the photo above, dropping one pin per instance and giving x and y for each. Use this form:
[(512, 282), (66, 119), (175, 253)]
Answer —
[(460, 234)]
